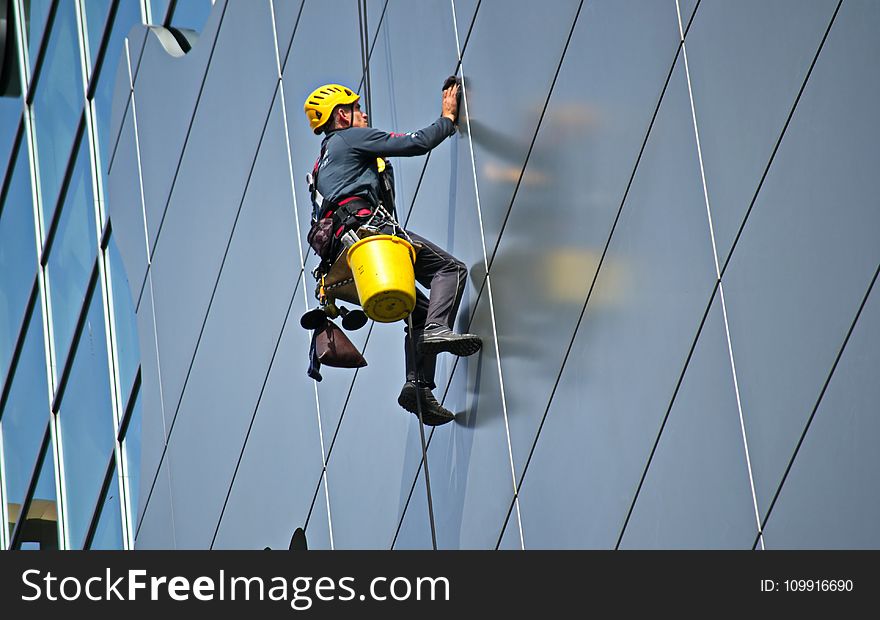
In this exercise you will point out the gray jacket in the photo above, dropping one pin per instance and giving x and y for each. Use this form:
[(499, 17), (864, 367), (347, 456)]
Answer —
[(347, 164)]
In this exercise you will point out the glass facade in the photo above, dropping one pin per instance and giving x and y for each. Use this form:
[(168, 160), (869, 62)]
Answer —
[(69, 351), (667, 208)]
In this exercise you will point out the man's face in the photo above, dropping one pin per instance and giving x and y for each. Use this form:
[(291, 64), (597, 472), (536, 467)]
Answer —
[(360, 117)]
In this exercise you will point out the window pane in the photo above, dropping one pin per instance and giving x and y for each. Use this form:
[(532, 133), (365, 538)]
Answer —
[(86, 423), (160, 8), (191, 14), (58, 105), (72, 255), (36, 12), (40, 529), (127, 345), (25, 414), (133, 454), (96, 17), (108, 534), (127, 15), (18, 257)]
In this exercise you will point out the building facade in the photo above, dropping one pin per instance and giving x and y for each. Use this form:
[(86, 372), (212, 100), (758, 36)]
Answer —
[(69, 428), (667, 210)]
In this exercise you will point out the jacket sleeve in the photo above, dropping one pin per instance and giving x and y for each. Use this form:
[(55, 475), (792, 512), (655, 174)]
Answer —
[(373, 142)]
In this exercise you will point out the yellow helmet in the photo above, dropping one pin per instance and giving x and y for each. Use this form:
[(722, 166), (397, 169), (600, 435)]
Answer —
[(319, 105)]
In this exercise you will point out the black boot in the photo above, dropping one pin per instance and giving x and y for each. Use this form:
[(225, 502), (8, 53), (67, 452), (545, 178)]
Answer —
[(439, 338), (433, 412)]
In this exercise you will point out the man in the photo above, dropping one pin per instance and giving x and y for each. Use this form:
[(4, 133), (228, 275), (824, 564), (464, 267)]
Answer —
[(349, 190)]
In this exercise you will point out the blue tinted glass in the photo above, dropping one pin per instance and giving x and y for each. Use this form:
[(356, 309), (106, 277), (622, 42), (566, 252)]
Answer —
[(191, 14), (96, 18), (36, 13), (87, 423), (159, 9), (108, 534), (18, 257), (126, 322), (10, 113), (72, 255), (25, 414), (42, 515), (57, 106), (133, 454), (127, 15)]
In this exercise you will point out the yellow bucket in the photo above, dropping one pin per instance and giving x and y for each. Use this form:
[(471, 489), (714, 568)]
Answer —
[(382, 267)]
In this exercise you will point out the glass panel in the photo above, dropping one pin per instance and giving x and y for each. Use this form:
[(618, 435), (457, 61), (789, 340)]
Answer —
[(86, 420), (156, 530), (218, 386), (198, 224), (18, 257), (40, 529), (810, 247), (108, 534), (696, 494), (127, 15), (127, 347), (96, 18), (132, 441), (415, 530), (191, 14), (581, 163), (281, 464), (10, 115), (57, 106), (24, 416), (36, 13), (159, 9), (72, 255), (747, 62), (632, 343), (831, 499), (502, 126)]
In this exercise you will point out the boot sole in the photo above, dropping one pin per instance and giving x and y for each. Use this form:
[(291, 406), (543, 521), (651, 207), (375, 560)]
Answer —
[(407, 400), (462, 347)]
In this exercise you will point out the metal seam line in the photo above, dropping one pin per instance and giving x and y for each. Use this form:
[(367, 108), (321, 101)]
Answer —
[(213, 292), (256, 411), (137, 150), (488, 281), (718, 274), (302, 259), (822, 393)]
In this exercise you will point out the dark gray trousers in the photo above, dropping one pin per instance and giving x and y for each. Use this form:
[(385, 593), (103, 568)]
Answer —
[(445, 276)]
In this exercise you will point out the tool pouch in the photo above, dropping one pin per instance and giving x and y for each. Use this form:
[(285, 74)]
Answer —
[(320, 237)]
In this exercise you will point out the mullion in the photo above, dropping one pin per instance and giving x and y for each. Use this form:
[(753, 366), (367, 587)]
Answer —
[(98, 510), (15, 539)]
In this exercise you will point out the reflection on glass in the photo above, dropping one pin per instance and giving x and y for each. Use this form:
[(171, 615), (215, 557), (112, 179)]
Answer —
[(24, 415), (72, 255), (18, 257), (36, 13), (159, 9), (133, 453), (127, 15), (10, 113), (127, 346), (108, 534), (96, 17), (191, 14), (40, 529), (86, 423), (58, 104)]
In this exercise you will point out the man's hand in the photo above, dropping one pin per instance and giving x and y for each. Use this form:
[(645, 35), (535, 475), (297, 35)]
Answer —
[(449, 104)]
